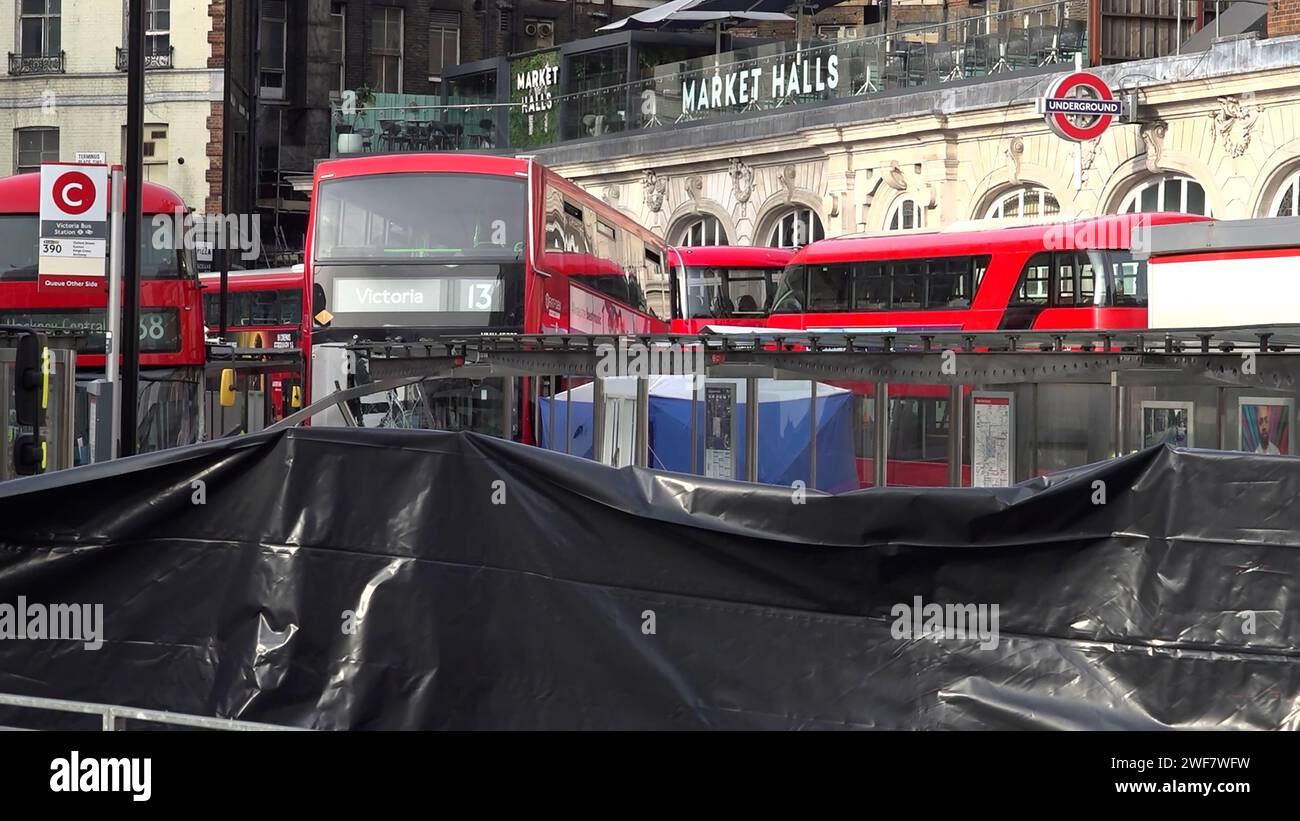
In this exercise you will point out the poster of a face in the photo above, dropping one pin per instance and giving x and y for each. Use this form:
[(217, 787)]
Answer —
[(1167, 423), (1265, 424)]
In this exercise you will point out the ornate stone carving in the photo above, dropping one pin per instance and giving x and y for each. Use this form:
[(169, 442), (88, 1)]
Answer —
[(1153, 134), (894, 177), (1234, 122), (742, 181), (1015, 150), (832, 206), (611, 194), (1088, 154), (694, 187), (788, 176), (654, 188)]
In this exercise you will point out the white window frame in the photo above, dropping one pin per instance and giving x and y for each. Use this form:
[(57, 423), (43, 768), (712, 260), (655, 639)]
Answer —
[(895, 218), (150, 10), (777, 236), (1290, 184), (998, 209), (50, 19), (700, 229), (43, 130), (401, 43), (1132, 202)]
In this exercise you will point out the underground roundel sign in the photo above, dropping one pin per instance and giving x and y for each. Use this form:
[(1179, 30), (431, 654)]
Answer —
[(1079, 106)]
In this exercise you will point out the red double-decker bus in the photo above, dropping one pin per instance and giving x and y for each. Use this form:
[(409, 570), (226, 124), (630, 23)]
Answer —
[(723, 284), (263, 310), (172, 351), (1050, 276), (1053, 276), (410, 245)]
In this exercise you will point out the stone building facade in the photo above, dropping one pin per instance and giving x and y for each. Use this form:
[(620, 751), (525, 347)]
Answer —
[(1218, 133), (64, 89)]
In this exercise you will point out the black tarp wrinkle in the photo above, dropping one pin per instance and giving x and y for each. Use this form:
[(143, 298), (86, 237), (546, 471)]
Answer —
[(768, 614)]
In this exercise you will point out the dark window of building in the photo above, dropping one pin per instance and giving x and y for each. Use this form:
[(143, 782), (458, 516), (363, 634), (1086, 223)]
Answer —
[(444, 41), (385, 72), (32, 146), (38, 27)]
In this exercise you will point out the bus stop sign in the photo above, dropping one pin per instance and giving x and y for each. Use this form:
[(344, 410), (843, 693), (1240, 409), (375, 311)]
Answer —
[(74, 220), (1079, 106)]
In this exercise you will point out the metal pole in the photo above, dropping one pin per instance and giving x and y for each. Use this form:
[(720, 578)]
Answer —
[(956, 396), (550, 425), (113, 335), (1220, 416), (1117, 412), (751, 430), (880, 455), (697, 387), (642, 422), (598, 419), (134, 226), (1033, 431), (1178, 28), (812, 437), (568, 417)]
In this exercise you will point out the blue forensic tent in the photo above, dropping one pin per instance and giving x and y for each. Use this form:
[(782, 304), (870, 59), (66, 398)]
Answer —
[(783, 428)]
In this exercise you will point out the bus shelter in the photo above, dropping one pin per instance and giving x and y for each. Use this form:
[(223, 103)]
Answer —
[(927, 409)]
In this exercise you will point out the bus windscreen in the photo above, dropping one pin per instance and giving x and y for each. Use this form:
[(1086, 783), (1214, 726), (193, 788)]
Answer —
[(19, 242), (432, 217)]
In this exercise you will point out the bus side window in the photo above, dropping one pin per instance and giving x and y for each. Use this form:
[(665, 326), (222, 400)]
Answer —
[(1032, 289), (948, 286), (980, 266), (909, 284), (870, 286), (1087, 279), (1065, 290), (828, 287)]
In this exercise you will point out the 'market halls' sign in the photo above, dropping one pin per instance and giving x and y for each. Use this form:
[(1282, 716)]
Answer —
[(747, 86)]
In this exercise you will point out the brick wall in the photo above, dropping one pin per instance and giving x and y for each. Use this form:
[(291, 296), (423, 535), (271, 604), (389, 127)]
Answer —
[(1283, 17), (216, 132)]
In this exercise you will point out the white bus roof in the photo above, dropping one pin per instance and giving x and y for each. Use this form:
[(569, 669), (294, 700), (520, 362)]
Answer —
[(1222, 235)]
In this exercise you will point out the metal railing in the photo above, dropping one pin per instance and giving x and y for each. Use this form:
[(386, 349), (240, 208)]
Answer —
[(768, 76), (151, 61), (29, 64), (419, 127), (112, 716)]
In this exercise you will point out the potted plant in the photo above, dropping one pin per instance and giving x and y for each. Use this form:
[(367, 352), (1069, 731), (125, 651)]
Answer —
[(348, 114)]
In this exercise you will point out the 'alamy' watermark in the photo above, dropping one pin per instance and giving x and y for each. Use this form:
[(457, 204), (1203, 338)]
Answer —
[(632, 358), (207, 232), (59, 622), (945, 622), (1125, 232), (77, 774)]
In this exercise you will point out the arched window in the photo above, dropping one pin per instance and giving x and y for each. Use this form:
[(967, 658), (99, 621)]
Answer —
[(1166, 192), (1028, 201), (798, 227), (904, 215), (1287, 201), (707, 230)]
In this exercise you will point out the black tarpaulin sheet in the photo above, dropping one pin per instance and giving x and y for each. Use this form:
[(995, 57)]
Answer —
[(493, 585)]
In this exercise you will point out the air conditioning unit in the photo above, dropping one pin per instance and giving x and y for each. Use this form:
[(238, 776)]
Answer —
[(545, 30), (530, 30)]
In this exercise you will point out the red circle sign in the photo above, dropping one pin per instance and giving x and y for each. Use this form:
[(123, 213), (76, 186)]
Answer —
[(1079, 106), (74, 193)]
